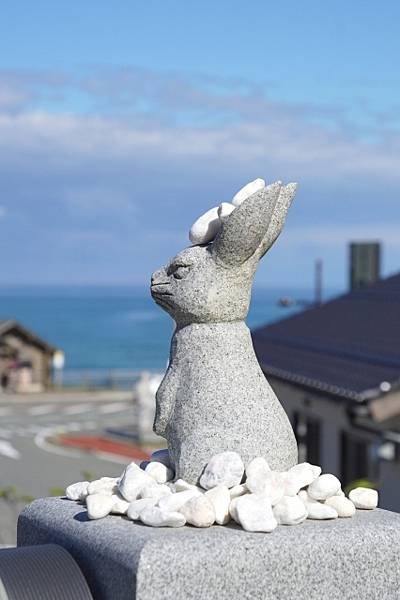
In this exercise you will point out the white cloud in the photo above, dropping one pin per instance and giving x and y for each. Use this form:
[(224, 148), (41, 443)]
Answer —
[(128, 173), (287, 144)]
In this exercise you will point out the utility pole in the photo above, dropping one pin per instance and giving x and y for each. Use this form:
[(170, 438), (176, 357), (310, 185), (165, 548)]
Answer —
[(318, 282)]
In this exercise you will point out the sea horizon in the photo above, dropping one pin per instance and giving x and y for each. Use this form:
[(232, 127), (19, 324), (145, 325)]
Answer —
[(109, 326)]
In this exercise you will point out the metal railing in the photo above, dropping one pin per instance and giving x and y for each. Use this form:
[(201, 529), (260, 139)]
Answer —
[(90, 379)]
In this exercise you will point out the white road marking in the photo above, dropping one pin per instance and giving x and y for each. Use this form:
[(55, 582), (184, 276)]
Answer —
[(41, 442), (43, 409), (114, 407), (6, 449), (6, 411), (77, 409)]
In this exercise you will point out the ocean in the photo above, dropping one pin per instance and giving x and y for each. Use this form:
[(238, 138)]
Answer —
[(116, 327)]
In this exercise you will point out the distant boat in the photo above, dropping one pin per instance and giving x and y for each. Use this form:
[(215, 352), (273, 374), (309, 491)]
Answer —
[(286, 301)]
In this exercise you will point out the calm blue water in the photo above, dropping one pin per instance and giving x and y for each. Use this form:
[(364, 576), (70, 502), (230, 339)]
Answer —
[(113, 327)]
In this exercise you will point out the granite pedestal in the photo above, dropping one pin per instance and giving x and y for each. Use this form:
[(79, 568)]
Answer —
[(344, 559)]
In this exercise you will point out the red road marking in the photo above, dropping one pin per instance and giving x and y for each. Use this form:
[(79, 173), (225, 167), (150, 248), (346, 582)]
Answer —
[(100, 444)]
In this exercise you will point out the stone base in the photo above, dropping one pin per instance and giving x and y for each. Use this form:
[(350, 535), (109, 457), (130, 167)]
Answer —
[(342, 559)]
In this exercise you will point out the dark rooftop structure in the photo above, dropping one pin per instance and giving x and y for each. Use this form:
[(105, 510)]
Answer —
[(10, 325), (336, 369), (25, 358), (365, 264), (349, 346)]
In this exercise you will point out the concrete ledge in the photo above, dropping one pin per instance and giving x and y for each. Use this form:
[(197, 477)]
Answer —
[(342, 559)]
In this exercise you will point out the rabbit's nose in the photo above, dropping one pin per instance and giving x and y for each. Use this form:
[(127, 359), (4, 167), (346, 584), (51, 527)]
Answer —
[(157, 277)]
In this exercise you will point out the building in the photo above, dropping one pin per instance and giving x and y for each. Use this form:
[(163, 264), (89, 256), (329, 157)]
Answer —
[(336, 370), (25, 359)]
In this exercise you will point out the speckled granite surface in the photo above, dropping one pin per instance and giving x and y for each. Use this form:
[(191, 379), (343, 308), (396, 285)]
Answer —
[(214, 396), (356, 558)]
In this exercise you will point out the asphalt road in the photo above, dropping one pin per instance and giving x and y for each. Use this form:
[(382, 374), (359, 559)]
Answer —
[(35, 467), (30, 463)]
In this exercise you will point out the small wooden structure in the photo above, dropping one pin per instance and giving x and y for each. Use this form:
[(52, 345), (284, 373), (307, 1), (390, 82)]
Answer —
[(25, 359)]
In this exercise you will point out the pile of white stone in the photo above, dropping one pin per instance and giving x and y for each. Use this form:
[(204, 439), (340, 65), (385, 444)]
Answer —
[(256, 497), (205, 229)]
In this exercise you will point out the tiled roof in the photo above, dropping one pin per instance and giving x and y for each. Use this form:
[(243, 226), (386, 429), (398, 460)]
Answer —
[(347, 346), (8, 325)]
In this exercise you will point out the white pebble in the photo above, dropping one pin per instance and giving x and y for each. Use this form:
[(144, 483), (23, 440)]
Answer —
[(99, 505), (319, 511), (105, 485), (303, 495), (159, 472), (292, 485), (232, 509), (323, 487), (238, 490), (258, 467), (136, 507), (248, 190), (205, 228), (120, 505), (182, 486), (271, 484), (224, 210), (133, 480), (343, 506), (291, 510), (254, 513), (364, 498), (304, 474), (226, 468), (220, 499), (174, 502), (155, 491), (77, 491), (163, 457), (199, 511), (156, 517)]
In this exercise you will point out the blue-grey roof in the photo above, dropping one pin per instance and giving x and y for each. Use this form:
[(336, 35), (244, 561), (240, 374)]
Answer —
[(347, 346)]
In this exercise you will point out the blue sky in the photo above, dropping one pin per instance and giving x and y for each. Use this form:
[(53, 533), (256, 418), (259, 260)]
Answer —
[(122, 122)]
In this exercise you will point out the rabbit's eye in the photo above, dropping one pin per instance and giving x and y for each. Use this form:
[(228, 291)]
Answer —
[(181, 272)]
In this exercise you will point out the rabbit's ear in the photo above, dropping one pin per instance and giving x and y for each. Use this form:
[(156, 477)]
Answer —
[(285, 199), (246, 227)]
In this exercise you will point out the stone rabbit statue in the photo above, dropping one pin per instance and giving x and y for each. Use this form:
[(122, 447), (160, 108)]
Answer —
[(214, 396)]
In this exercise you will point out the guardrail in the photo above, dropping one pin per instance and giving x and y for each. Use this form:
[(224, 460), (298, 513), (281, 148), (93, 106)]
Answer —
[(98, 378)]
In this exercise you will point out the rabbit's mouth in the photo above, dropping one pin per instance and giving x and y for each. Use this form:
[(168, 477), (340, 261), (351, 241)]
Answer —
[(160, 295), (163, 299), (156, 291)]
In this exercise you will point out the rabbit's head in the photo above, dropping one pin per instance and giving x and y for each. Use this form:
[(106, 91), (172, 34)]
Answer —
[(212, 283)]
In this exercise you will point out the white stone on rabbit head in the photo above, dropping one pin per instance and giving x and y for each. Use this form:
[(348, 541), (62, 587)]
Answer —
[(212, 283)]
